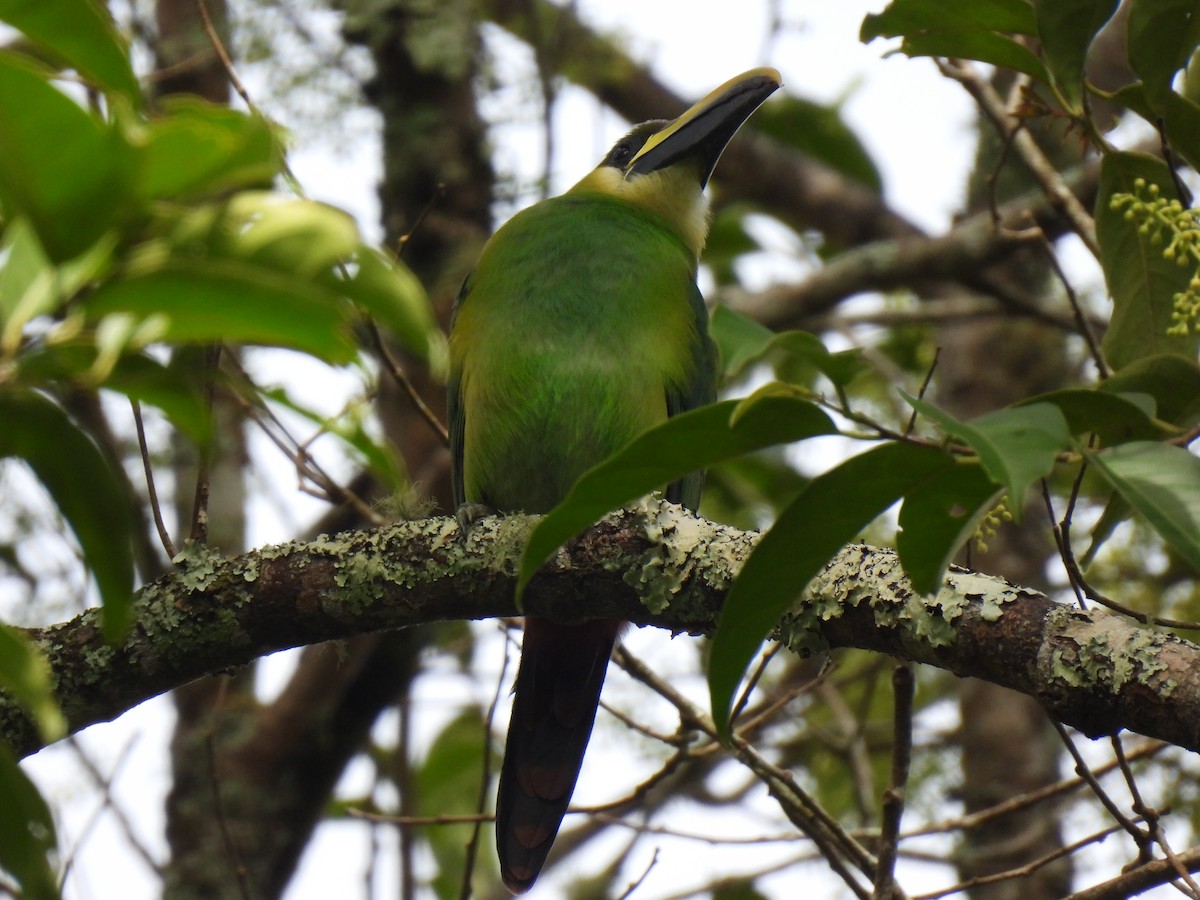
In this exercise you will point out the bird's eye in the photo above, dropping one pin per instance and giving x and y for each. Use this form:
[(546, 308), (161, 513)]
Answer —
[(621, 154)]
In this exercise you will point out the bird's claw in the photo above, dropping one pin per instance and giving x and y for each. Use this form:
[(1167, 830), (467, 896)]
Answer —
[(469, 513)]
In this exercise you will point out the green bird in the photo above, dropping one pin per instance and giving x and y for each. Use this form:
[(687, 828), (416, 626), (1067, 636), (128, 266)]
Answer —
[(580, 327)]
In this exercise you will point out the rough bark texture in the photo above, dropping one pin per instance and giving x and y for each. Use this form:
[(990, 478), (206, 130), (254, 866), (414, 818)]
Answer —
[(1094, 670)]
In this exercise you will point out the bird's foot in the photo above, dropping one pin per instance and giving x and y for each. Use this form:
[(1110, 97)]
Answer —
[(470, 513)]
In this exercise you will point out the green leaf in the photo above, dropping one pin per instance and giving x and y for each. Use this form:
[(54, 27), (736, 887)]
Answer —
[(1182, 121), (977, 30), (290, 235), (1173, 382), (1161, 483), (792, 347), (684, 444), (26, 277), (450, 772), (85, 489), (81, 34), (1115, 417), (982, 46), (1066, 29), (60, 167), (1116, 511), (938, 516), (819, 131), (740, 339), (1161, 36), (828, 514), (173, 389), (389, 291), (227, 300), (200, 149), (1017, 446), (25, 674), (1190, 89), (905, 17), (27, 835), (1142, 283)]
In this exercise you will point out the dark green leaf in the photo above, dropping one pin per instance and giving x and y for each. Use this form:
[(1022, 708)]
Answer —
[(1142, 283), (792, 347), (983, 46), (1066, 29), (1113, 417), (84, 487), (938, 516), (906, 17), (172, 389), (828, 514), (227, 300), (1017, 446), (389, 291), (81, 34), (684, 444), (26, 832), (201, 149), (1182, 122), (1161, 483), (1161, 36), (1116, 511), (740, 339), (1173, 382), (25, 674), (60, 167), (819, 131)]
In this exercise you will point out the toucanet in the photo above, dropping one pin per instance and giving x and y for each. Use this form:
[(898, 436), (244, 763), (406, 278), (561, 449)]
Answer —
[(580, 327)]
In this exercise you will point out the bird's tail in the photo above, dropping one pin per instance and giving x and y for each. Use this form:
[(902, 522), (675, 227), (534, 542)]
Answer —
[(556, 695)]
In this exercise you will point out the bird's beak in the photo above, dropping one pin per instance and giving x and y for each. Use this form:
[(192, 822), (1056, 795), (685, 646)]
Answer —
[(701, 133)]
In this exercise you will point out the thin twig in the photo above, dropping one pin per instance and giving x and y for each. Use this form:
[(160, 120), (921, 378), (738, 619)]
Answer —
[(393, 367), (1031, 154), (155, 508), (836, 845), (485, 780), (912, 420), (199, 531), (628, 892), (1081, 769), (893, 797), (1019, 871), (227, 63), (1083, 326), (104, 784), (755, 676)]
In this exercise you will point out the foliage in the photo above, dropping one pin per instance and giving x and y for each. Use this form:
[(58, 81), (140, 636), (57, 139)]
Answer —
[(125, 230)]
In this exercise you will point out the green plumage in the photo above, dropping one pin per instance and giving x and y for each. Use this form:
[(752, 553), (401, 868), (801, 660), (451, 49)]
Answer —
[(580, 327)]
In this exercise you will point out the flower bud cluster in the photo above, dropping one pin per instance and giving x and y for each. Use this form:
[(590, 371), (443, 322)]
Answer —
[(1168, 222)]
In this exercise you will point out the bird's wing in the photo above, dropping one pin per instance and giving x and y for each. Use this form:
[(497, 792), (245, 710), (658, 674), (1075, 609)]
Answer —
[(698, 390), (456, 411)]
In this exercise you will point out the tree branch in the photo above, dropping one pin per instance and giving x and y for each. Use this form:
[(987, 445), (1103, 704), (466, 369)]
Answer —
[(656, 565)]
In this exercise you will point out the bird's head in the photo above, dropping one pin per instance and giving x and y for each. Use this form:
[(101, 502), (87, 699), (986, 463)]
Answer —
[(664, 165)]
